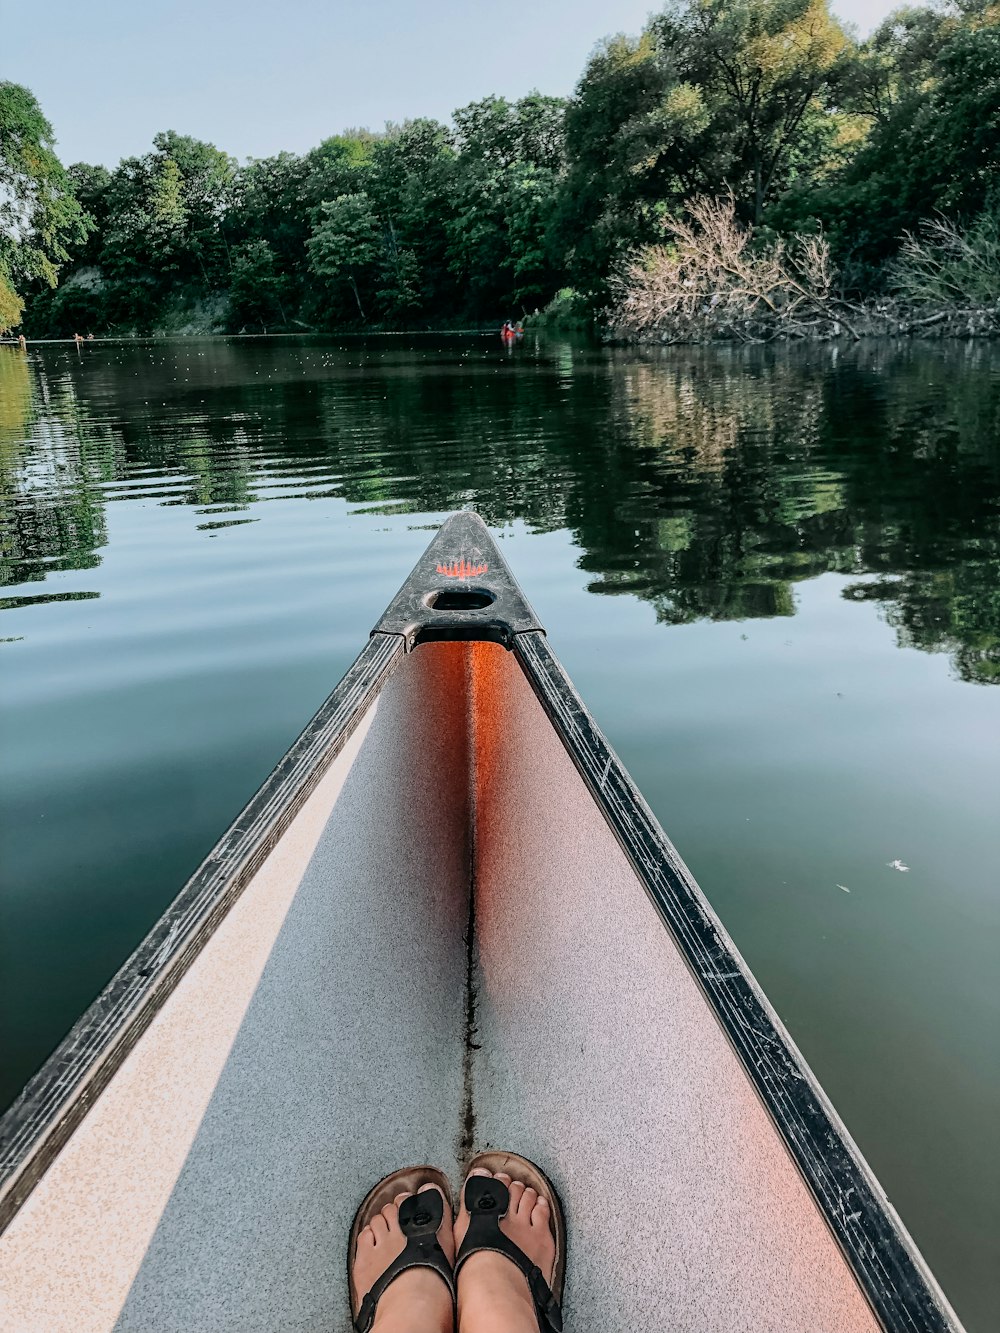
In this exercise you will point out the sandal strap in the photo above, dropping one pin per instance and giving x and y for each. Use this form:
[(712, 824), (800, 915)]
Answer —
[(419, 1218), (487, 1201)]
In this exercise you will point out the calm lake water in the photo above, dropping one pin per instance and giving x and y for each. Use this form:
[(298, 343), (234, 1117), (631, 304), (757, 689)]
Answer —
[(775, 579)]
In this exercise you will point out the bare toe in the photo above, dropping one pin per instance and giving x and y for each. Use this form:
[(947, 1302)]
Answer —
[(527, 1201)]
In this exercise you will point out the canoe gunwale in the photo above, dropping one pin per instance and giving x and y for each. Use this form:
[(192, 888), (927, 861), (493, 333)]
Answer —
[(54, 1102), (889, 1268)]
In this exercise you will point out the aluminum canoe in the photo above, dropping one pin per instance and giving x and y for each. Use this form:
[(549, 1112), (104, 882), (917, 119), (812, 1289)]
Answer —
[(447, 922)]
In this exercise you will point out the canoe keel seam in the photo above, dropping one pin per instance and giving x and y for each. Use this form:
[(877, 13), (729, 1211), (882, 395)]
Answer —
[(467, 1135)]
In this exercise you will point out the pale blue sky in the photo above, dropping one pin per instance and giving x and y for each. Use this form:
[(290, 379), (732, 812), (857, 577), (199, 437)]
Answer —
[(257, 77)]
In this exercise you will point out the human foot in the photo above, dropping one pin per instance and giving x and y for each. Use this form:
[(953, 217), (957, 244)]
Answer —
[(418, 1300), (493, 1293)]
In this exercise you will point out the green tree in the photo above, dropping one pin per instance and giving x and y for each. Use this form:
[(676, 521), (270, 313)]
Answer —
[(501, 147), (11, 306), (39, 217), (716, 96), (762, 67), (637, 144), (90, 188), (398, 286), (897, 58), (268, 203), (344, 246), (255, 293), (930, 85), (147, 216), (410, 184), (340, 165), (205, 181), (533, 195), (166, 213)]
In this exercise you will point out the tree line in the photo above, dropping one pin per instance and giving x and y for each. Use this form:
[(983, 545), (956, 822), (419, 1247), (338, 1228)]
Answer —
[(527, 204)]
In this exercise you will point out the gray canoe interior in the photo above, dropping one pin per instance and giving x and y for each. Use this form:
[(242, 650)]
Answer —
[(319, 1041)]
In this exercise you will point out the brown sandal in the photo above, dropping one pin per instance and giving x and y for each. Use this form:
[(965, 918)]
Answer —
[(420, 1216), (487, 1200)]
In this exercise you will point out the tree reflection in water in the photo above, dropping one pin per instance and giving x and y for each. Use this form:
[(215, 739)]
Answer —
[(705, 481)]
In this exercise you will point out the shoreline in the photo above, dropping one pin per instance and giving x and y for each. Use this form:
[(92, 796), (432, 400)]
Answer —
[(246, 337), (964, 325)]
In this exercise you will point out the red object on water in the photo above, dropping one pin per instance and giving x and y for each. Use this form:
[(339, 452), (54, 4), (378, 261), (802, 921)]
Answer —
[(461, 569)]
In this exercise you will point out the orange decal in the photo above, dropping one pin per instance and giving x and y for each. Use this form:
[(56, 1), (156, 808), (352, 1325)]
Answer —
[(461, 569)]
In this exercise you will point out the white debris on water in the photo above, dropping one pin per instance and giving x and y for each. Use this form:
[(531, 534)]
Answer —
[(896, 865)]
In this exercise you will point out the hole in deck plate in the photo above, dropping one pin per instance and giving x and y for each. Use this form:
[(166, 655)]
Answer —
[(460, 599)]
